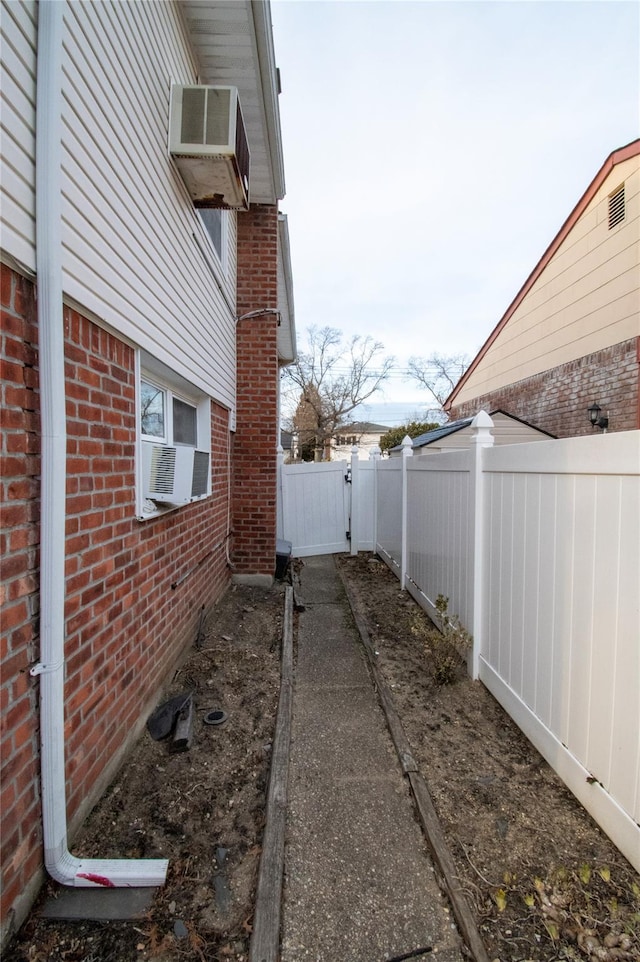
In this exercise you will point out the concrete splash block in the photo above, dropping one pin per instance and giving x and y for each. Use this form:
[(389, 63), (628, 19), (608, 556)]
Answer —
[(99, 904)]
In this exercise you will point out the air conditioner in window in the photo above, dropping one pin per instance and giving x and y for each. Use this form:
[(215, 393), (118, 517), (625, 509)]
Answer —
[(208, 142), (174, 475)]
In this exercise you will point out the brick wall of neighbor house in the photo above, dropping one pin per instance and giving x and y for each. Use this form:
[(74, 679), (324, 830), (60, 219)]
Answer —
[(125, 625), (557, 400), (256, 440)]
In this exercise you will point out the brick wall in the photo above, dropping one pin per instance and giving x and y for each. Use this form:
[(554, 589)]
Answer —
[(557, 400), (125, 625), (256, 440), (19, 773)]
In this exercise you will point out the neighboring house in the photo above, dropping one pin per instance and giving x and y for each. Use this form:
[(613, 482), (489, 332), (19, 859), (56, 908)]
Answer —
[(361, 434), (456, 435), (571, 337), (286, 443), (173, 321)]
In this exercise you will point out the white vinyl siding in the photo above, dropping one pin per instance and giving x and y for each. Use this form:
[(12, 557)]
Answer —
[(129, 253), (18, 126)]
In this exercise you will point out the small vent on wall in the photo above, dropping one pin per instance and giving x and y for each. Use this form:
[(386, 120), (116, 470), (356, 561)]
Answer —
[(616, 207)]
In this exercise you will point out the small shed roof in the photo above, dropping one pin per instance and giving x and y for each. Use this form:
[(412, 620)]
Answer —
[(453, 427), (438, 433)]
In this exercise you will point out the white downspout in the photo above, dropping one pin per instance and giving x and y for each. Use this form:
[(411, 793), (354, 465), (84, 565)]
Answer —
[(63, 866)]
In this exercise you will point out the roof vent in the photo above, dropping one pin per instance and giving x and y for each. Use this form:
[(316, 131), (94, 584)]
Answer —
[(208, 141), (616, 207)]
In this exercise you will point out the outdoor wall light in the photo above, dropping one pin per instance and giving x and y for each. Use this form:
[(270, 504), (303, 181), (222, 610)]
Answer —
[(594, 417)]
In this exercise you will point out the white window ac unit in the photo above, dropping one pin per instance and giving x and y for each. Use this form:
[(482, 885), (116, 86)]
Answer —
[(174, 475), (208, 141)]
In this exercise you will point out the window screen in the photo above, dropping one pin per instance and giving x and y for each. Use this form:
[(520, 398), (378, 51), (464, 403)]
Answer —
[(212, 220), (184, 423)]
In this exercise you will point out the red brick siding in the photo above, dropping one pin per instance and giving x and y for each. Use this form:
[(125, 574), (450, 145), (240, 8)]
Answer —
[(125, 625), (256, 440), (557, 400), (19, 773)]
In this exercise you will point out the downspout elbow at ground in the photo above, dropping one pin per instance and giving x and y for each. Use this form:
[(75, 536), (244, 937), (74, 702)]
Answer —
[(60, 864)]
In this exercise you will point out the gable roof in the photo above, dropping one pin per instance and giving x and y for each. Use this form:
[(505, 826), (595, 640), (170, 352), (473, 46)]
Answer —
[(615, 157), (361, 427), (438, 433), (430, 437)]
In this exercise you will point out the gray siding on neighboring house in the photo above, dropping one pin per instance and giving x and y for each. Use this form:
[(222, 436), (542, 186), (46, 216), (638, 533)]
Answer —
[(129, 252)]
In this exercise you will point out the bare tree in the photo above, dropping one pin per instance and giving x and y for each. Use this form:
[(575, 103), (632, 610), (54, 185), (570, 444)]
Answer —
[(438, 373), (332, 379)]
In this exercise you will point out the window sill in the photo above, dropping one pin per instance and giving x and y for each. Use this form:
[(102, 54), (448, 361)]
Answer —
[(152, 509)]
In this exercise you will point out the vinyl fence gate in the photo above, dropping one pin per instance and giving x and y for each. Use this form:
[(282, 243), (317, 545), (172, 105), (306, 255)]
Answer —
[(314, 509)]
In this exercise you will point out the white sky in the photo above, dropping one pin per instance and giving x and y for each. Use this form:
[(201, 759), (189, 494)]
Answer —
[(434, 149)]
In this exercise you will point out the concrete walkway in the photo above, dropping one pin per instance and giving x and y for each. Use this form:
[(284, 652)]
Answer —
[(359, 883)]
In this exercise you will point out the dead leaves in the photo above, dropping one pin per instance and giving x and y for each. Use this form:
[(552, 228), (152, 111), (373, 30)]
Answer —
[(585, 907)]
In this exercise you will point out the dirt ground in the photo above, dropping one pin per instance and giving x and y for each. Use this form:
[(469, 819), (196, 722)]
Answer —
[(203, 809), (542, 879)]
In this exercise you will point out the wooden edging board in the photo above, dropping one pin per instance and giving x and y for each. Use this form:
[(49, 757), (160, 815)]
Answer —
[(265, 937)]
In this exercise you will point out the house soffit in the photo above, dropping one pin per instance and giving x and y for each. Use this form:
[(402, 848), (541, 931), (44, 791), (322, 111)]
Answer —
[(233, 45)]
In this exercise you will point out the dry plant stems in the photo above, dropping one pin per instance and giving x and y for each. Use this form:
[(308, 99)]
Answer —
[(447, 643), (584, 910)]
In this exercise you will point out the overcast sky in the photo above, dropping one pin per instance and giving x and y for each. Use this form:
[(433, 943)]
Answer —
[(434, 149)]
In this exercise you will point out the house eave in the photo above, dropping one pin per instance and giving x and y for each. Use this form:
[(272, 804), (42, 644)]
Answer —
[(615, 157), (287, 349), (270, 82), (233, 44)]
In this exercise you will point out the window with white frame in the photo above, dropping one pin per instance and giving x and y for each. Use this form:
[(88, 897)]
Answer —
[(165, 417), (215, 223), (174, 434)]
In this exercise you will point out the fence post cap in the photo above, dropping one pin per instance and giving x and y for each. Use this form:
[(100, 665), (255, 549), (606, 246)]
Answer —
[(481, 429), (407, 446)]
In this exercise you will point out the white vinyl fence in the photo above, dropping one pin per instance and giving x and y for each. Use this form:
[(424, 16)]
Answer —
[(537, 547)]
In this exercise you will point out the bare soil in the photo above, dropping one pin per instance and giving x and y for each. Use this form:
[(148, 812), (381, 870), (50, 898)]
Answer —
[(203, 809), (543, 881)]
